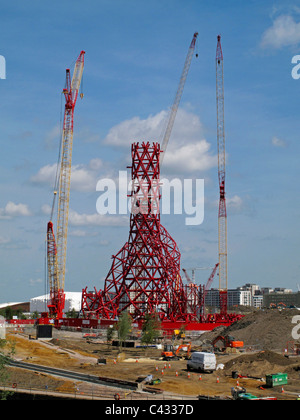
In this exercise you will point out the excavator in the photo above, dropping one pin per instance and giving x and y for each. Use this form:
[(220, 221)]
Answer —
[(227, 342), (170, 353)]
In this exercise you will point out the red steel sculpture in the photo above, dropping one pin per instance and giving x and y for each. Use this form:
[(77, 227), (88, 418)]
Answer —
[(145, 274)]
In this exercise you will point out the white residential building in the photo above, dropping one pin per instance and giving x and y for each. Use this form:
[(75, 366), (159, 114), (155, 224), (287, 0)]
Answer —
[(236, 297)]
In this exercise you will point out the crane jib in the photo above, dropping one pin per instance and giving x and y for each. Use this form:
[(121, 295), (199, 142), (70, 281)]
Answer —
[(173, 111)]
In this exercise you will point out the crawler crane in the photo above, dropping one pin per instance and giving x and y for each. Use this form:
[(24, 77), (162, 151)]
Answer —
[(57, 246)]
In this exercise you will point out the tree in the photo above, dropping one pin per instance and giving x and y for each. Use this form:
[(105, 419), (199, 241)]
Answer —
[(72, 313), (150, 329), (123, 327), (9, 350), (109, 333), (8, 312), (35, 315)]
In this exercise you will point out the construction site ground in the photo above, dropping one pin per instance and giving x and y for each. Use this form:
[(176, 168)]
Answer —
[(265, 334)]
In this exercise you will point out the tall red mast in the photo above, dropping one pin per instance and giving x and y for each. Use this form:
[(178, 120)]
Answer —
[(222, 217)]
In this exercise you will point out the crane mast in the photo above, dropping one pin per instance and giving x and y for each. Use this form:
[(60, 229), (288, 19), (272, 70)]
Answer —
[(222, 216), (57, 248), (178, 95)]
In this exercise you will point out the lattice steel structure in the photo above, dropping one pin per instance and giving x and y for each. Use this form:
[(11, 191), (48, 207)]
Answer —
[(145, 274), (222, 217)]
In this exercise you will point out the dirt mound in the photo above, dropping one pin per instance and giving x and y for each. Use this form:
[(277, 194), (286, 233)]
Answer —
[(261, 357), (258, 364), (262, 330)]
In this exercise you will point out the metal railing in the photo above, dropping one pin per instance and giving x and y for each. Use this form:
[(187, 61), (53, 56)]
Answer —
[(70, 390)]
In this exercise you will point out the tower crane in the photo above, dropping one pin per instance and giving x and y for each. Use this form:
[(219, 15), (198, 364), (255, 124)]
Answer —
[(173, 110), (222, 216), (57, 247)]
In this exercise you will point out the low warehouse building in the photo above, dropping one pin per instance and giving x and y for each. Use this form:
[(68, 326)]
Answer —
[(73, 301)]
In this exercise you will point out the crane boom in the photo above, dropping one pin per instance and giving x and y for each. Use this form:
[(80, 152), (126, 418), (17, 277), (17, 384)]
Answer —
[(210, 280), (206, 288), (57, 249), (222, 216), (187, 276), (176, 102)]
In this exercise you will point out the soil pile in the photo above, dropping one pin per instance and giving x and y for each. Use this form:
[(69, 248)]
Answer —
[(270, 329), (258, 364)]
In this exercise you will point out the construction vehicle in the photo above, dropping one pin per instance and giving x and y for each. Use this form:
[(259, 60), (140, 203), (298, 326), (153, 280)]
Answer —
[(227, 342), (292, 349), (179, 334), (202, 361), (240, 394), (170, 353)]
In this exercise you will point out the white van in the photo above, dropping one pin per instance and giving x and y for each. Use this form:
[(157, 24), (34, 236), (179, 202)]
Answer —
[(205, 362)]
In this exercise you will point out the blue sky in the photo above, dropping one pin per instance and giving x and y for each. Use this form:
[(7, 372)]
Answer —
[(135, 52)]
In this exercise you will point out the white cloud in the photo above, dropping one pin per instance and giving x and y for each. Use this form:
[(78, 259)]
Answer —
[(96, 219), (190, 158), (135, 130), (46, 175), (4, 240), (87, 135), (76, 219), (78, 233), (52, 137), (235, 203), (13, 210), (187, 149), (83, 177), (46, 209), (35, 282), (284, 32), (96, 164), (278, 142)]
